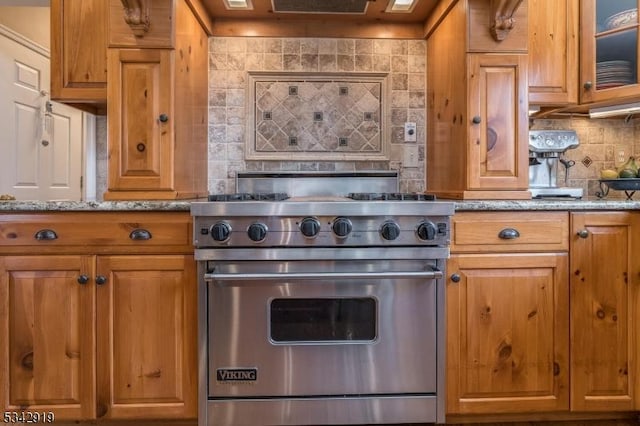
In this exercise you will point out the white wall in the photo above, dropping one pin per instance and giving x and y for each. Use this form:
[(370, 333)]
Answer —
[(31, 22)]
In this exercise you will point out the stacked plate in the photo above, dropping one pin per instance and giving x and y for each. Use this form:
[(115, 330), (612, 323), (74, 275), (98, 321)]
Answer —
[(613, 74), (621, 19)]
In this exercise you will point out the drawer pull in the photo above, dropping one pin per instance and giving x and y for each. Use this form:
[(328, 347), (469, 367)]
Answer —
[(509, 234), (583, 233), (140, 234), (46, 234)]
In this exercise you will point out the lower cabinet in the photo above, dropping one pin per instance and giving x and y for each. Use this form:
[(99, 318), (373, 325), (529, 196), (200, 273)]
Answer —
[(508, 333), (605, 302), (508, 313), (98, 336), (542, 315)]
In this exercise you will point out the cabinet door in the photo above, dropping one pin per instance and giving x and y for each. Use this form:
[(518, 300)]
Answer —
[(79, 50), (140, 119), (47, 316), (147, 337), (608, 50), (604, 294), (553, 52), (507, 333), (498, 129)]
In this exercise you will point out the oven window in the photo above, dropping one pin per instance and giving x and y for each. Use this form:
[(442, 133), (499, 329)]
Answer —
[(323, 320)]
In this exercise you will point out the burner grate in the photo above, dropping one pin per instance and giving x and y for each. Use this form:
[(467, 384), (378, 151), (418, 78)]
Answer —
[(390, 196), (245, 196)]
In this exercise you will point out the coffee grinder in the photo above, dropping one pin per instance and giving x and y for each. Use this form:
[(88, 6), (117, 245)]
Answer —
[(546, 148)]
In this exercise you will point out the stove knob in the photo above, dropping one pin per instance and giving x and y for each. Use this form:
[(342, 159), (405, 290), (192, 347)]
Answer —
[(257, 232), (310, 227), (220, 231), (341, 227), (426, 231), (390, 230)]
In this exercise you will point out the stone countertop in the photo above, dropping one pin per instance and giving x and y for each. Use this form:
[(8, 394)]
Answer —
[(70, 206), (185, 205)]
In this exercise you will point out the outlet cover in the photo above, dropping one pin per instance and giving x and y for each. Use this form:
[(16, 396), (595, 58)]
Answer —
[(410, 156), (410, 132)]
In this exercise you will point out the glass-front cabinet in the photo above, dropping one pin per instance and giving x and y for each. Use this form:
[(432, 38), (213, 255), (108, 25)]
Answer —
[(609, 50)]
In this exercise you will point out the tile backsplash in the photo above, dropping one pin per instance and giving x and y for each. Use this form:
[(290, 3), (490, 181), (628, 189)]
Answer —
[(232, 59)]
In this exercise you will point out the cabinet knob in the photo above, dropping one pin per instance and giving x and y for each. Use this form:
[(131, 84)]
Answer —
[(587, 85), (583, 233), (455, 278), (46, 234), (83, 279), (140, 234), (101, 279), (141, 147), (163, 118), (509, 234), (476, 119)]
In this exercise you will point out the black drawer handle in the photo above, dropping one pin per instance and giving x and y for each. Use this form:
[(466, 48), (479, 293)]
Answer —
[(46, 234), (509, 234), (140, 234)]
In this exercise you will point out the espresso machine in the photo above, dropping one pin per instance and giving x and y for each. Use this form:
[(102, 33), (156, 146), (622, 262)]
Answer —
[(546, 149)]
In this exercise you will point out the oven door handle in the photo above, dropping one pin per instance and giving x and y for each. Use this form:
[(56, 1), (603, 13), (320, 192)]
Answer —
[(431, 275)]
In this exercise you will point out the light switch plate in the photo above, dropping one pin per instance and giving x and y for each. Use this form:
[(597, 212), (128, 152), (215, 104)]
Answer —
[(410, 156), (410, 132)]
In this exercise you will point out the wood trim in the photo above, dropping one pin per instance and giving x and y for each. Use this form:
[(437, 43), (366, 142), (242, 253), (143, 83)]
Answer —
[(201, 15), (502, 21), (437, 15), (314, 28)]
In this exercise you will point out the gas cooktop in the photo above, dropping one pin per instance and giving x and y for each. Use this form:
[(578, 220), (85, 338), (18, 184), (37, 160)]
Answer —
[(357, 196)]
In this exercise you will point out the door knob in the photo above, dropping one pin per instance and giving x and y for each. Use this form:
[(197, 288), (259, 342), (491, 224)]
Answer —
[(101, 279), (583, 233), (83, 279), (163, 118), (455, 278), (476, 119)]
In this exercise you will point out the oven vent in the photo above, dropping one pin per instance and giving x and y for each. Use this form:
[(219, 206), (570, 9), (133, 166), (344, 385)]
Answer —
[(320, 6)]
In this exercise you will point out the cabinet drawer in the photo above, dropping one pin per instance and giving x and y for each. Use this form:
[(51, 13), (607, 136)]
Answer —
[(510, 231), (103, 231)]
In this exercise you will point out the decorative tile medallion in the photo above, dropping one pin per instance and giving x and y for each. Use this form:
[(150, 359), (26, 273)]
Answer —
[(587, 161), (324, 117)]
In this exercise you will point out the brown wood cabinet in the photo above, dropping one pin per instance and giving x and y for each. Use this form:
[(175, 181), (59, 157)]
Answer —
[(507, 315), (608, 52), (150, 60), (95, 335), (79, 51), (605, 279), (157, 110), (553, 52), (477, 107)]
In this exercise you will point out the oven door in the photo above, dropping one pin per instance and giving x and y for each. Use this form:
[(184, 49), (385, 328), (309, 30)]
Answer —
[(318, 328)]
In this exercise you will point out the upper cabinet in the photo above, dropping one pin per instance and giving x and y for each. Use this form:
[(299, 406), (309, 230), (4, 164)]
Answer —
[(553, 52), (609, 51), (79, 51), (477, 102)]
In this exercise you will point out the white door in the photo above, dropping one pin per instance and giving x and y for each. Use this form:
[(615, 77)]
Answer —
[(40, 141)]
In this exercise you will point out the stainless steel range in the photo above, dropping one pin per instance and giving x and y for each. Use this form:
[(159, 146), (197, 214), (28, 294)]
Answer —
[(321, 302)]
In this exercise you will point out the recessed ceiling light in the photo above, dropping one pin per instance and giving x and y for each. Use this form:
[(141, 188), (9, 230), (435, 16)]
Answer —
[(401, 6), (238, 4)]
